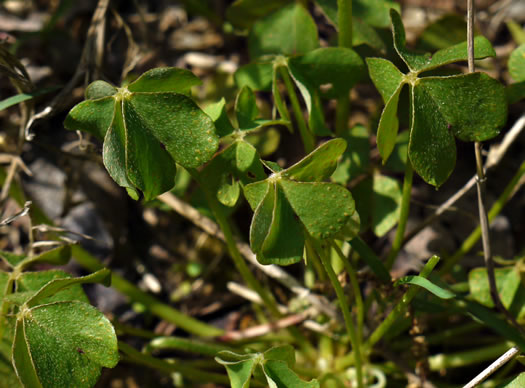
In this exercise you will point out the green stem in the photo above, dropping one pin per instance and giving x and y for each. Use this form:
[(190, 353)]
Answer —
[(235, 254), (400, 308), (344, 21), (354, 338), (306, 135), (342, 113), (162, 310), (403, 216), (473, 238), (443, 336), (86, 260), (460, 359), (352, 274), (242, 267), (186, 345), (316, 263), (189, 373)]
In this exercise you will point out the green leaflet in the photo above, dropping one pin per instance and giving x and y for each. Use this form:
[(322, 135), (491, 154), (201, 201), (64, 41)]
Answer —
[(427, 285), (385, 75), (356, 158), (258, 76), (476, 93), (431, 148), (147, 127), (243, 13), (21, 97), (338, 67), (99, 89), (288, 31), (516, 382), (388, 126), (508, 283), (276, 364), (418, 63), (29, 283), (279, 375), (318, 165), (373, 12), (517, 64)]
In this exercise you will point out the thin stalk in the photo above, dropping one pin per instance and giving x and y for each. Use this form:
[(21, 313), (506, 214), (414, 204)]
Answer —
[(186, 345), (400, 308), (480, 184), (242, 267), (344, 22), (352, 274), (235, 254), (403, 216), (342, 113), (473, 238), (507, 356), (344, 19), (189, 373), (306, 135), (443, 336), (461, 359), (354, 338), (88, 261), (158, 308), (161, 310)]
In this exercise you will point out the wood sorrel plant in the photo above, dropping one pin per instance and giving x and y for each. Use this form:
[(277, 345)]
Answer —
[(50, 333), (151, 127)]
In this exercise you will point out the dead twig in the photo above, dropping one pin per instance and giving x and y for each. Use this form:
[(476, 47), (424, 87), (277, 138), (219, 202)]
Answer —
[(496, 154), (88, 66), (507, 356), (260, 330)]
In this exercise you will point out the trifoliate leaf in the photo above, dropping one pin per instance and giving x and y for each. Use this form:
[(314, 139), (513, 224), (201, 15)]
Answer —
[(147, 127), (294, 200)]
